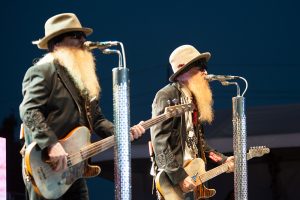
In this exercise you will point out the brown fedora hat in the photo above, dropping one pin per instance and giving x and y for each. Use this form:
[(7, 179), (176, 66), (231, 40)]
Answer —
[(182, 58), (59, 24)]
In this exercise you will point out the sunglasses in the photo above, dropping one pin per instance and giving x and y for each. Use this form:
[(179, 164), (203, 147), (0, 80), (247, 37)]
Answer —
[(75, 35), (201, 65)]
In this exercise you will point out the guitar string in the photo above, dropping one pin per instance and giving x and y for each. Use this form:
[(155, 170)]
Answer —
[(213, 173)]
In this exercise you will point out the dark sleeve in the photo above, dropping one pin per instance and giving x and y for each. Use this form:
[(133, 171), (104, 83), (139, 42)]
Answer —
[(102, 126), (160, 134), (36, 90)]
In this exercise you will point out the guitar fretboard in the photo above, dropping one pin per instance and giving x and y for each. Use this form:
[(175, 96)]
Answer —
[(147, 124), (216, 171)]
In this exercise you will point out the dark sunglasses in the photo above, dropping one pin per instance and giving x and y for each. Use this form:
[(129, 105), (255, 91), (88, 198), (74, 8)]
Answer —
[(200, 64), (75, 35)]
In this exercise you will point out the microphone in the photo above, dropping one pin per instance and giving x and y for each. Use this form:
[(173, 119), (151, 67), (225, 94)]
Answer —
[(99, 45), (221, 78)]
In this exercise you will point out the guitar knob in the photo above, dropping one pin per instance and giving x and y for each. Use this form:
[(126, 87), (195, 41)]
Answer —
[(27, 178)]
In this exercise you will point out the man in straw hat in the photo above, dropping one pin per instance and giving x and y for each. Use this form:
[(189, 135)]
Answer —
[(181, 139), (61, 92)]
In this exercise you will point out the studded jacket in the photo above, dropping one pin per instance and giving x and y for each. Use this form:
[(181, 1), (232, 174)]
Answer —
[(168, 138), (52, 106)]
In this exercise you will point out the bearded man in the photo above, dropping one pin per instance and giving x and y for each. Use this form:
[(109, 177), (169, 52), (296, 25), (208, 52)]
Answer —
[(181, 139), (61, 92)]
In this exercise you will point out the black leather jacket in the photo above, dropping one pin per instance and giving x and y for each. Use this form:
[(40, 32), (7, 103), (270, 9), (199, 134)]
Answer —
[(52, 106), (168, 137)]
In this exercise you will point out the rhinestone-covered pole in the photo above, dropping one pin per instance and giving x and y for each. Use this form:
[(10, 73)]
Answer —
[(240, 148), (122, 138)]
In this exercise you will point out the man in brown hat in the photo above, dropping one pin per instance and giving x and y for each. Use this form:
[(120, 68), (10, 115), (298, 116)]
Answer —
[(181, 139), (61, 92)]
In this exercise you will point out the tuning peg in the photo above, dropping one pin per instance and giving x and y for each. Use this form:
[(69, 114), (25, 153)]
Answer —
[(175, 101), (169, 102)]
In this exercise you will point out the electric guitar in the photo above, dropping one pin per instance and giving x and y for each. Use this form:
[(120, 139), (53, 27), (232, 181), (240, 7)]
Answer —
[(196, 170), (51, 184)]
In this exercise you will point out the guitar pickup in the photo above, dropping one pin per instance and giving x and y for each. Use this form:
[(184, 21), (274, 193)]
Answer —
[(69, 162)]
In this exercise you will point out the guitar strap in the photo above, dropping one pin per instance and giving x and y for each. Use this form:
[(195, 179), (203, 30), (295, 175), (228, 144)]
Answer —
[(199, 130)]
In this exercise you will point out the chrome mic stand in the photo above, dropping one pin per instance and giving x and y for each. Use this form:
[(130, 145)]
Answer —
[(239, 139), (121, 107), (122, 148), (239, 143)]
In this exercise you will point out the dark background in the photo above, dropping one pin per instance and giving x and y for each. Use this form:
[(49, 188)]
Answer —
[(256, 39)]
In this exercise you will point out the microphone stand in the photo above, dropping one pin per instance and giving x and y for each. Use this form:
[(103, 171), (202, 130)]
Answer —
[(239, 142), (121, 109), (122, 146)]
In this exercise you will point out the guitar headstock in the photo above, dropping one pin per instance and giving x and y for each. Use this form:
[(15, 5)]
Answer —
[(177, 110), (258, 151)]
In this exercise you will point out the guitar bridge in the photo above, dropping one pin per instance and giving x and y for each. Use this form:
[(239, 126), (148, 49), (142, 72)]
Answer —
[(69, 162)]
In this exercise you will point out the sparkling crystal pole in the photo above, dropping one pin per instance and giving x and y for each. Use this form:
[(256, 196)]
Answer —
[(240, 148), (122, 148)]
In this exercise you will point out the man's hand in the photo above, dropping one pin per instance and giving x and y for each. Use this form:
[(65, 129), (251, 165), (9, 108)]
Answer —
[(230, 163), (136, 131), (187, 185), (57, 157)]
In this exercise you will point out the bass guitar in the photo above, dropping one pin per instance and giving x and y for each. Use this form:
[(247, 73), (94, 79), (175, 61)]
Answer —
[(196, 170), (51, 184)]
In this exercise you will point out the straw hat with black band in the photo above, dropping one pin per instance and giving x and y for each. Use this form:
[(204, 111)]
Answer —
[(59, 24), (183, 58)]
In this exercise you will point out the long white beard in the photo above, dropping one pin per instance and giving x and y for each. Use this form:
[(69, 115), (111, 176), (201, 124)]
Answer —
[(202, 92), (81, 66)]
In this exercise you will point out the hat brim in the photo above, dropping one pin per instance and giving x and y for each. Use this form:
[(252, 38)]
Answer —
[(43, 43), (188, 66)]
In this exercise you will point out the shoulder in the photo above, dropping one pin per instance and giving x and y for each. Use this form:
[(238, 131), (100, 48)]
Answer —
[(169, 91), (41, 68), (40, 74)]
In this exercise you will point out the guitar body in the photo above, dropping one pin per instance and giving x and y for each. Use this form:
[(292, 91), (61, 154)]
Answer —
[(194, 169), (51, 184)]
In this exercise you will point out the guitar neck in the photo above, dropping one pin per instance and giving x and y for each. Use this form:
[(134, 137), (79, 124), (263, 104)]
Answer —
[(97, 147), (150, 122), (217, 171), (102, 145)]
